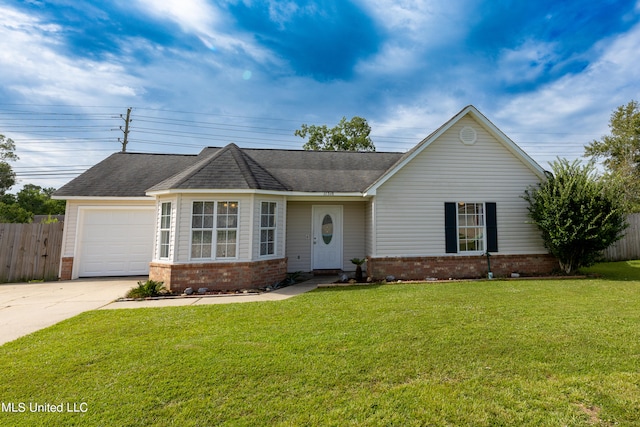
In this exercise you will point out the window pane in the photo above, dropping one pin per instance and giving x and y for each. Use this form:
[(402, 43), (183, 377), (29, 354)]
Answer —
[(206, 251), (207, 237), (208, 208), (233, 208), (165, 222), (196, 251), (196, 237), (327, 229), (196, 222), (207, 222), (198, 207), (222, 221)]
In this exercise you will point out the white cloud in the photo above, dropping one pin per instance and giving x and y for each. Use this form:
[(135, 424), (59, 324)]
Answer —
[(526, 62), (208, 23), (31, 66), (563, 116)]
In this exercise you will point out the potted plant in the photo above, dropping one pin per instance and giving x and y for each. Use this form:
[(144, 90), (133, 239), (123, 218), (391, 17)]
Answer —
[(358, 262)]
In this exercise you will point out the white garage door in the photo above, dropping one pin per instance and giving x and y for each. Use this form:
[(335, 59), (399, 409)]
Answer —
[(116, 242)]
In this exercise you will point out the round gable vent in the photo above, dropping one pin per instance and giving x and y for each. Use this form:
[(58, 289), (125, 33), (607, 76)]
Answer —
[(468, 135)]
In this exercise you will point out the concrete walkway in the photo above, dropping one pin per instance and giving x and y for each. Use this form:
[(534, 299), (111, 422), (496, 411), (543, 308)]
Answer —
[(28, 307), (277, 295)]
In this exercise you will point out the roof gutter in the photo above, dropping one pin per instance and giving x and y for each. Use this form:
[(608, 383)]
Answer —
[(106, 198), (321, 194)]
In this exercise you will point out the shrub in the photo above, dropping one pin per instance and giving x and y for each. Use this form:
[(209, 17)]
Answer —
[(577, 213), (147, 289)]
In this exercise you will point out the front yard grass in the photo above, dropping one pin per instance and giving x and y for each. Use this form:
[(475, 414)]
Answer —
[(487, 353)]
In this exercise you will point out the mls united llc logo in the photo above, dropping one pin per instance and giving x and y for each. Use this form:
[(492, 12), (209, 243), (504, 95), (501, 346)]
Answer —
[(20, 407)]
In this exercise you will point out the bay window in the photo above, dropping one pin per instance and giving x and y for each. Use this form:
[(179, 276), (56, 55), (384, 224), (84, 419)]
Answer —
[(214, 224)]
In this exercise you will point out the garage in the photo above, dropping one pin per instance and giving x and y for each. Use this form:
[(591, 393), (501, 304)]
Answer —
[(115, 242)]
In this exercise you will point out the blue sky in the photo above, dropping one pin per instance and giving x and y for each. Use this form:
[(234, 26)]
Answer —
[(206, 73)]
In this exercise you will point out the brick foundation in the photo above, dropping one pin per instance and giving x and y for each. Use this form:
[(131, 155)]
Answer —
[(222, 276), (460, 267), (66, 268)]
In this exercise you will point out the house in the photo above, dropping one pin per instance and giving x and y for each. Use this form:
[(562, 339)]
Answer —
[(235, 217)]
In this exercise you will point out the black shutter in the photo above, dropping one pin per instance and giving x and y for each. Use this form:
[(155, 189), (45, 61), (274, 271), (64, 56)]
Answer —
[(450, 228), (492, 228)]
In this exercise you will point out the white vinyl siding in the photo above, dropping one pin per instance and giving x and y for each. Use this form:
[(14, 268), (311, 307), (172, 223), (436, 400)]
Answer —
[(298, 236), (368, 228), (409, 217)]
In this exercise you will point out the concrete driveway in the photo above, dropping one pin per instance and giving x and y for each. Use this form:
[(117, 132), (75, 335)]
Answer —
[(28, 307)]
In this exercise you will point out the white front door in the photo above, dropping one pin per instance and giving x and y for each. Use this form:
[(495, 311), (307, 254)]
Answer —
[(327, 237)]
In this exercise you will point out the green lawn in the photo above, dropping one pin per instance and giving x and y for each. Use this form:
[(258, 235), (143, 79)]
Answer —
[(526, 352)]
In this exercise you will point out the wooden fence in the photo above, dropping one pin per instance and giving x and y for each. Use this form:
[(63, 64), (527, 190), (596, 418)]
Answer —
[(30, 251), (628, 247)]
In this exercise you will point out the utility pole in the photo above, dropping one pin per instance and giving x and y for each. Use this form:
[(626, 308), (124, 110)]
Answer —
[(127, 120)]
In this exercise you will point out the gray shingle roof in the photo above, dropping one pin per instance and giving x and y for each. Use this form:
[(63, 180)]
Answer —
[(125, 175), (231, 167), (225, 168)]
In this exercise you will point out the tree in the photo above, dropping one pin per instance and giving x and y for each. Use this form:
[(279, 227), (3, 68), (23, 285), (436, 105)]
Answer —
[(38, 201), (7, 153), (621, 153), (352, 135), (578, 214), (14, 213)]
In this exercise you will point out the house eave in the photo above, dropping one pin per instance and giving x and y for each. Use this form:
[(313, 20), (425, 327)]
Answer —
[(105, 198), (289, 194)]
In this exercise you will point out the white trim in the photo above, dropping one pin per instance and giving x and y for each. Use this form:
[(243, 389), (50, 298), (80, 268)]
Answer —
[(160, 229), (484, 228), (105, 199), (275, 230), (317, 194), (214, 231), (490, 127)]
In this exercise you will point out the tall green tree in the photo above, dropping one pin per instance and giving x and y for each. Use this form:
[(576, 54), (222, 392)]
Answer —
[(578, 214), (7, 153), (38, 201), (352, 135), (620, 153)]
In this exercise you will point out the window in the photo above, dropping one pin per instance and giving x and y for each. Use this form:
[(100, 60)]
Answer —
[(202, 229), (165, 229), (470, 227), (227, 226), (214, 221), (267, 228)]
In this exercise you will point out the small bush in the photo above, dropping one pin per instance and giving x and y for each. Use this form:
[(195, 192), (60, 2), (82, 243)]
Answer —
[(147, 289)]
